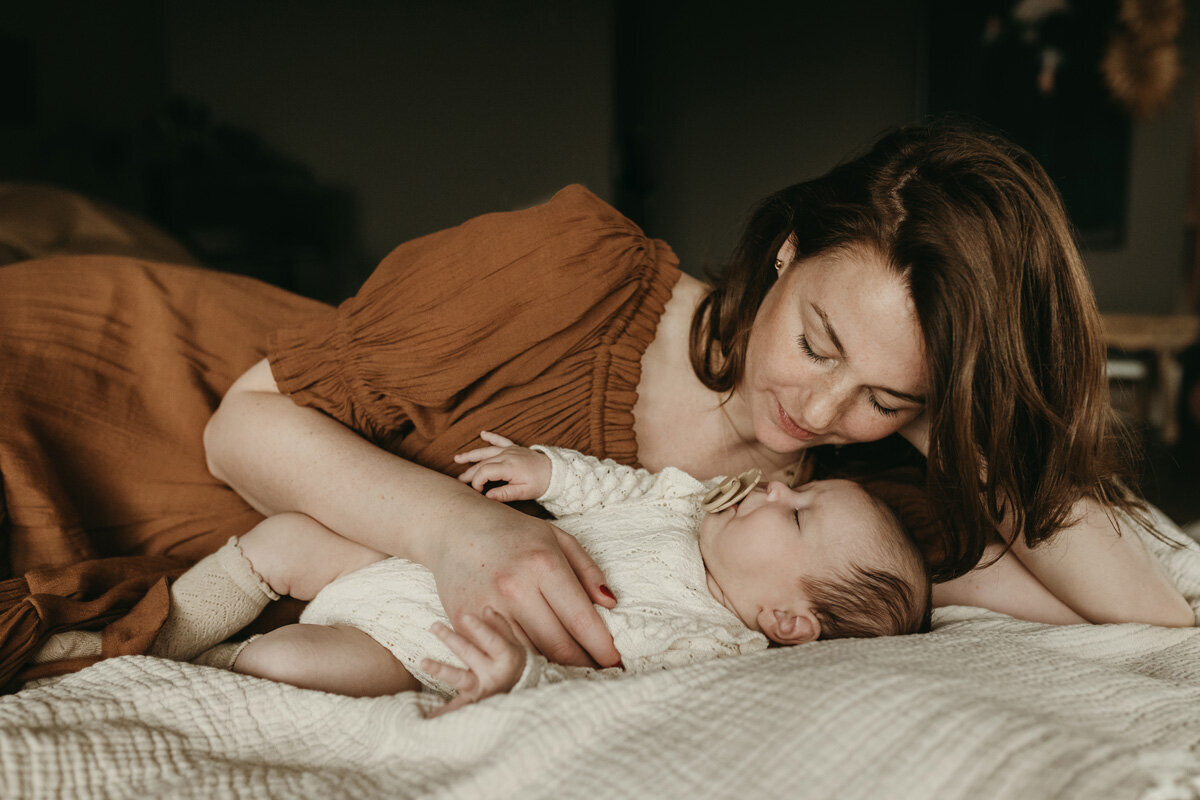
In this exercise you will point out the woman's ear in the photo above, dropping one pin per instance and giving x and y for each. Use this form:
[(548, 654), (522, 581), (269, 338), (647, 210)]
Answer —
[(793, 627), (787, 251)]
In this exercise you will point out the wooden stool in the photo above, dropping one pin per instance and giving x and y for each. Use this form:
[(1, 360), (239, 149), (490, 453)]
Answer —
[(1162, 338)]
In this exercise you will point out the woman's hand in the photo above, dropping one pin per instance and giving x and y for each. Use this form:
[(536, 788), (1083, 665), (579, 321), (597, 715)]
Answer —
[(494, 659), (536, 576), (525, 472)]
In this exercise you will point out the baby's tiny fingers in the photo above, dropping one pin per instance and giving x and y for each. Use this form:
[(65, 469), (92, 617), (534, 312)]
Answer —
[(458, 644), (503, 493), (456, 703), (500, 624), (469, 473), (478, 454), (488, 472), (496, 439), (461, 679)]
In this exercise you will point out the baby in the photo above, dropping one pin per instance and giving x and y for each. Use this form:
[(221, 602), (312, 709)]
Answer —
[(773, 564)]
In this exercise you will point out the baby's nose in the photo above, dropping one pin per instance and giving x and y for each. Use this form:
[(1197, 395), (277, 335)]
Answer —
[(775, 489)]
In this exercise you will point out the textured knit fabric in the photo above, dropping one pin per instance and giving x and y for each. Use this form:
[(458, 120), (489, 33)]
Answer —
[(984, 708), (529, 322), (641, 530), (210, 602)]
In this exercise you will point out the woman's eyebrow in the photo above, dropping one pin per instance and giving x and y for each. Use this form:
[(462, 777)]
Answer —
[(912, 398), (829, 331), (837, 343)]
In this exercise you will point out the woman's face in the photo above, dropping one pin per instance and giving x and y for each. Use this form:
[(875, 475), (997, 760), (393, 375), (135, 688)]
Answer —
[(836, 354)]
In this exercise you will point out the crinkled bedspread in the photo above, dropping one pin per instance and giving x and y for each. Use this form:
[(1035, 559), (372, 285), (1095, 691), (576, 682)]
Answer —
[(983, 707)]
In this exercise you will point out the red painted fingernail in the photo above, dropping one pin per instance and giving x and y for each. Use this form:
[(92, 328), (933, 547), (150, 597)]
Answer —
[(607, 591), (620, 665)]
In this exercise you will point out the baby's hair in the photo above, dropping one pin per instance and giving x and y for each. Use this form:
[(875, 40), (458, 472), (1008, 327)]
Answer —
[(859, 602)]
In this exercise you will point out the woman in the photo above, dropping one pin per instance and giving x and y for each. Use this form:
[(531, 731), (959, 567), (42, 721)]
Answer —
[(929, 288)]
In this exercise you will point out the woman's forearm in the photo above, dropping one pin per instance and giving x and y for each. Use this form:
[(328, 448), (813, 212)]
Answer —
[(282, 457), (1105, 575), (1005, 585)]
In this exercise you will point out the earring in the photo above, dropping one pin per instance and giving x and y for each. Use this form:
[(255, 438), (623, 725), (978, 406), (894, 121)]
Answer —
[(778, 267)]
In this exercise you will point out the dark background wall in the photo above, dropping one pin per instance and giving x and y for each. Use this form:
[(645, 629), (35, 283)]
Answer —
[(301, 140)]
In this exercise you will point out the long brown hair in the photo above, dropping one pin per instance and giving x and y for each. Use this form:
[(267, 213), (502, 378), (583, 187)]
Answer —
[(1021, 424)]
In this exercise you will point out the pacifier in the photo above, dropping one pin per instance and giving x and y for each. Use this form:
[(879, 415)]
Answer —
[(731, 491)]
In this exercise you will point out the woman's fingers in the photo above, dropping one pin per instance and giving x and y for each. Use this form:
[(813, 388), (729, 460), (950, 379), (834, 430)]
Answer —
[(577, 617), (590, 575), (536, 623)]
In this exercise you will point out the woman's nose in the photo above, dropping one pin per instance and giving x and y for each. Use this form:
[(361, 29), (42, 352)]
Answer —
[(823, 405)]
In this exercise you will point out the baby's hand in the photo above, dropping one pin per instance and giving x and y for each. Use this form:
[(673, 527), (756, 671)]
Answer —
[(526, 472), (494, 657)]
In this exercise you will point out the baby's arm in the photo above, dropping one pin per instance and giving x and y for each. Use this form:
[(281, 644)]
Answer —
[(565, 481)]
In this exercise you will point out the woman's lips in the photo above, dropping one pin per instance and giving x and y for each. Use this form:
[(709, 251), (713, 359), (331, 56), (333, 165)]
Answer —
[(791, 428)]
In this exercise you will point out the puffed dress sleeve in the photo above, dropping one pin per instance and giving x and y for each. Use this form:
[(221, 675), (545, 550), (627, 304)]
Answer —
[(531, 323)]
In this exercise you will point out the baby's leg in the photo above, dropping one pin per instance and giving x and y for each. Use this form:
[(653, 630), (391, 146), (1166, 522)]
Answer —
[(286, 553), (299, 556), (329, 658)]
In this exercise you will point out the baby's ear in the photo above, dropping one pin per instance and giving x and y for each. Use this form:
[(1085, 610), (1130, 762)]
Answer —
[(793, 627)]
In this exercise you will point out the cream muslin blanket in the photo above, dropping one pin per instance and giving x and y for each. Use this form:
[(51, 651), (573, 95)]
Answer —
[(983, 707)]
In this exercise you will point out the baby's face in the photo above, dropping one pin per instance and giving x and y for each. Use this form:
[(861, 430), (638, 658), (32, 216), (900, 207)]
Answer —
[(757, 552)]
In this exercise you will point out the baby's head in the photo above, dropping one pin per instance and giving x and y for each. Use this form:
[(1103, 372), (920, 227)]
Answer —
[(827, 560)]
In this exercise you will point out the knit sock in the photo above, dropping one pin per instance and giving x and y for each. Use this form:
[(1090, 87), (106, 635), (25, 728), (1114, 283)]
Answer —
[(223, 655), (210, 602), (68, 644)]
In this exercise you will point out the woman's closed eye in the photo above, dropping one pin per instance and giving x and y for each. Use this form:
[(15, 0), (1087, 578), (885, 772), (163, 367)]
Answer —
[(802, 341), (887, 412)]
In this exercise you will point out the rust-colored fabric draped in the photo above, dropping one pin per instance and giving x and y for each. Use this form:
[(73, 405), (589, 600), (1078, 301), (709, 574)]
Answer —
[(126, 597), (109, 369), (530, 323)]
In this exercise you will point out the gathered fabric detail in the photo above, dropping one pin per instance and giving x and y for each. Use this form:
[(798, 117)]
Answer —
[(530, 323)]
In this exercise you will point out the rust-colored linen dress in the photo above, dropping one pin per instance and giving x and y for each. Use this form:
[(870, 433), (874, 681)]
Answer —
[(530, 323)]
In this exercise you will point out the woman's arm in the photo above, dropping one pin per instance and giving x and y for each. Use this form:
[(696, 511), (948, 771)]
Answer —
[(283, 457), (1100, 574), (1005, 586), (1104, 574)]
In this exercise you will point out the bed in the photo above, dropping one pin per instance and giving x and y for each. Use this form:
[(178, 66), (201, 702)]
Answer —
[(983, 706)]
